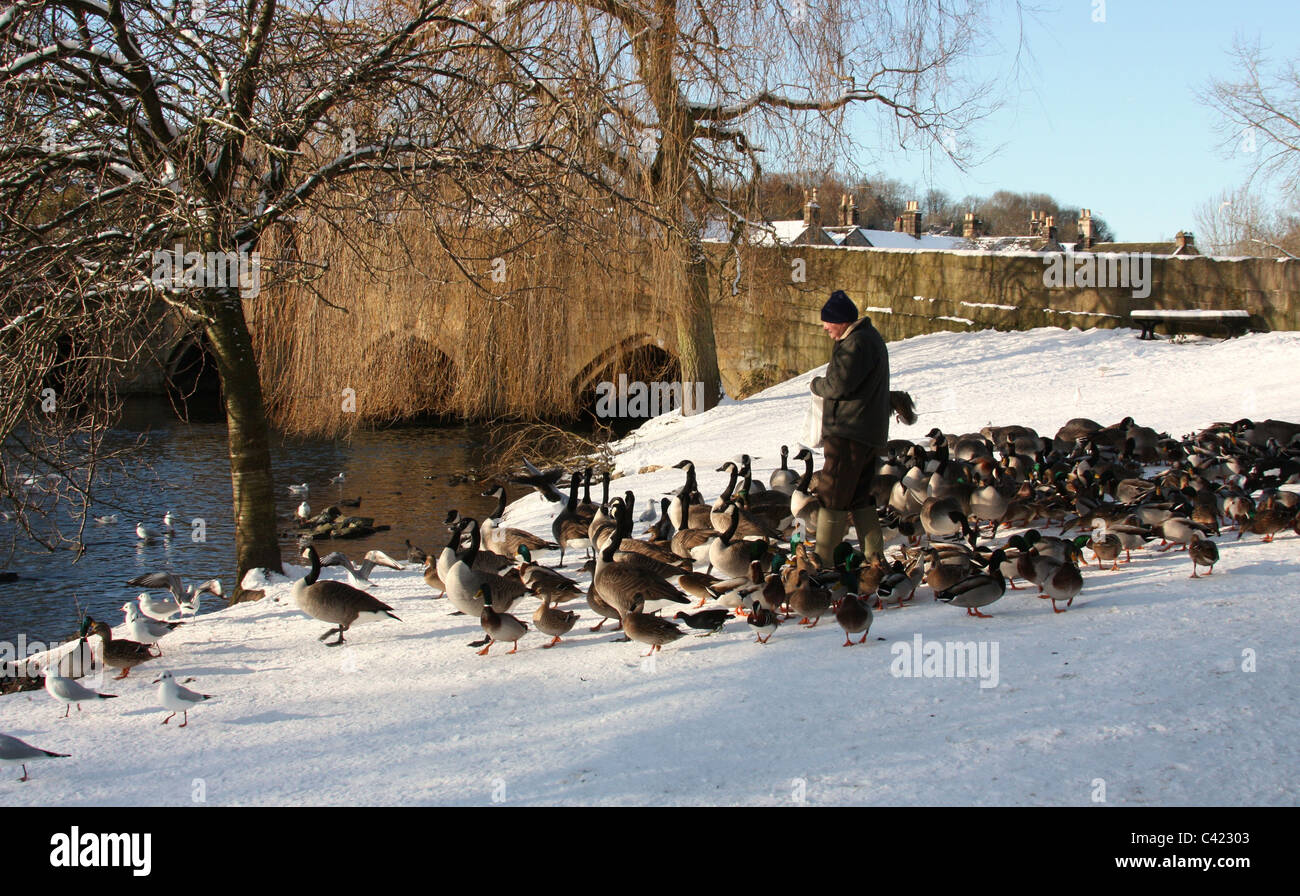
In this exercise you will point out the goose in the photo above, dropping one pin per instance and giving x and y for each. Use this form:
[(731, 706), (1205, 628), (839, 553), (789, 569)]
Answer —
[(487, 561), (692, 544), (358, 576), (143, 629), (978, 590), (553, 622), (568, 527), (750, 488), (506, 541), (942, 518), (18, 752), (465, 581), (750, 524), (498, 626), (622, 582), (68, 692), (804, 504), (174, 696), (602, 608), (662, 530), (336, 602), (639, 553), (783, 479), (854, 615), (685, 510), (648, 629), (119, 652), (732, 556)]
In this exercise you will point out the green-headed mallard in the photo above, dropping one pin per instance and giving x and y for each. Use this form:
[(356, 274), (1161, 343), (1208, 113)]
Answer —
[(498, 626), (978, 590)]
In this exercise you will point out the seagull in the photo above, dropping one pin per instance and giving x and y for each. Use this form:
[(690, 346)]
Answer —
[(16, 752), (143, 629), (303, 512), (298, 489), (339, 479), (68, 692), (146, 533), (187, 598), (106, 520), (167, 524), (360, 575), (177, 698)]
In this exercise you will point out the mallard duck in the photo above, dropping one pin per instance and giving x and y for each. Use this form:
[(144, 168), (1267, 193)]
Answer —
[(648, 629), (1105, 546), (1267, 520), (941, 575), (336, 602), (809, 600), (898, 585), (699, 584), (854, 615), (978, 590), (552, 621), (119, 653), (498, 626), (544, 581), (1203, 552), (1064, 584)]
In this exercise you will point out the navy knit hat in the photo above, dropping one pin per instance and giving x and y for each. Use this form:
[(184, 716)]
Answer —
[(839, 309)]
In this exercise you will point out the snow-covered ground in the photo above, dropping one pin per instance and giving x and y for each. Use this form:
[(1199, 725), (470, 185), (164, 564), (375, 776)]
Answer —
[(1153, 688)]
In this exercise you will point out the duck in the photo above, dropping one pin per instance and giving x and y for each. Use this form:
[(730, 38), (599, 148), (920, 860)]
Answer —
[(1065, 583), (854, 615), (1105, 546), (336, 602), (899, 584), (764, 621), (978, 590), (544, 581), (414, 554), (699, 584), (119, 652), (707, 621), (1180, 530), (809, 600), (498, 626), (552, 621), (648, 629), (1203, 552)]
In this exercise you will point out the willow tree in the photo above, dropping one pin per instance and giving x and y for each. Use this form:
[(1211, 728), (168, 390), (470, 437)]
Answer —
[(695, 96), (151, 147)]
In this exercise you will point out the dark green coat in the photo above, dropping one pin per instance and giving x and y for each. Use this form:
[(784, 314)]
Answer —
[(856, 387)]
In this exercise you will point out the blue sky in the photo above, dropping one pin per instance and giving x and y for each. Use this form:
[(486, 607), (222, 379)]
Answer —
[(1105, 114)]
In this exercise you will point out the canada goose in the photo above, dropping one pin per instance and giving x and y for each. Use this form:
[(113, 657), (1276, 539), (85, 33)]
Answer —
[(17, 752), (602, 608), (692, 544), (685, 510), (498, 626), (336, 602), (620, 582), (68, 692), (662, 530), (729, 555), (507, 541), (978, 590), (172, 695), (358, 576), (465, 582), (648, 629), (750, 524), (784, 479), (942, 518), (804, 504), (568, 528), (553, 622)]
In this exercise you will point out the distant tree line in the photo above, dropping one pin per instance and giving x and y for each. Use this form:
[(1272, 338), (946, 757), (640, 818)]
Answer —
[(881, 200)]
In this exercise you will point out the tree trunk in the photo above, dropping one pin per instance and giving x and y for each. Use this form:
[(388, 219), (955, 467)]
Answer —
[(696, 344), (256, 543)]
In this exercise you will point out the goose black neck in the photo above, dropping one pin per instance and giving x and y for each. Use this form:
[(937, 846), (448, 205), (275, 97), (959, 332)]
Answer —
[(314, 573), (732, 526), (501, 505), (471, 552), (785, 453), (806, 479), (731, 484)]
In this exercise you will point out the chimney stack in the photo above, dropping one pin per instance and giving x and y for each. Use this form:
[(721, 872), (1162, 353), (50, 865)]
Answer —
[(807, 210), (1186, 244), (911, 219), (973, 228), (1087, 236), (848, 211), (1035, 224)]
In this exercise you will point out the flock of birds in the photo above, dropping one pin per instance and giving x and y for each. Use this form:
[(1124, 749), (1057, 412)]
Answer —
[(941, 505)]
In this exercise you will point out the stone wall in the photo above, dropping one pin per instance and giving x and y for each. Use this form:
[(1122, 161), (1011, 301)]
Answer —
[(770, 329)]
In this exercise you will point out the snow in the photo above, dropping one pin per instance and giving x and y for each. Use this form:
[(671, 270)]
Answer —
[(1142, 684)]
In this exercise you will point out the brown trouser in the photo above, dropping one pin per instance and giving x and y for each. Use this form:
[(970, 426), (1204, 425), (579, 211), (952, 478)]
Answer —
[(844, 482)]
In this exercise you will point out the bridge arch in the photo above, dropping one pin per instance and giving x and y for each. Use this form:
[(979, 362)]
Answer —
[(640, 357), (192, 378), (408, 376)]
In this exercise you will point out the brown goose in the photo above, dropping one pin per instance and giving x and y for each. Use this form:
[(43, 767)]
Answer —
[(621, 582), (336, 602), (504, 541)]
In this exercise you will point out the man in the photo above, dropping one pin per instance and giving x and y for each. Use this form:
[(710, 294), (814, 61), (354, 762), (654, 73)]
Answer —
[(855, 427)]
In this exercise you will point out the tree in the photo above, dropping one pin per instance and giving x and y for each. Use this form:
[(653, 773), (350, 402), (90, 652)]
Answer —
[(695, 94), (1238, 222), (1261, 114), (151, 147)]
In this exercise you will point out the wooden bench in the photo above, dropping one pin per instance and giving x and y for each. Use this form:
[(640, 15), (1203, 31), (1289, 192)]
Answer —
[(1234, 322)]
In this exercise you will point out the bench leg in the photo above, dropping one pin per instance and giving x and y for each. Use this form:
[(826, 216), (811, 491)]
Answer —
[(1148, 330)]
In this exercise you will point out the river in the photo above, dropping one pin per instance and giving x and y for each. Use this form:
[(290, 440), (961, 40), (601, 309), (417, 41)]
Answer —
[(401, 475)]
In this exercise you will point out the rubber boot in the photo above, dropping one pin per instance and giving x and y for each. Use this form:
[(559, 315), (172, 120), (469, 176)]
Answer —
[(831, 526), (867, 522)]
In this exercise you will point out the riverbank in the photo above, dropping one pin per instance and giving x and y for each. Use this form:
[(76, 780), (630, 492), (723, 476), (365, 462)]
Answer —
[(1153, 688)]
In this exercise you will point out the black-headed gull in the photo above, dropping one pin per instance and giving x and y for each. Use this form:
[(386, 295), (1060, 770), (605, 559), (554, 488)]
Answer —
[(68, 692), (16, 752), (177, 698)]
